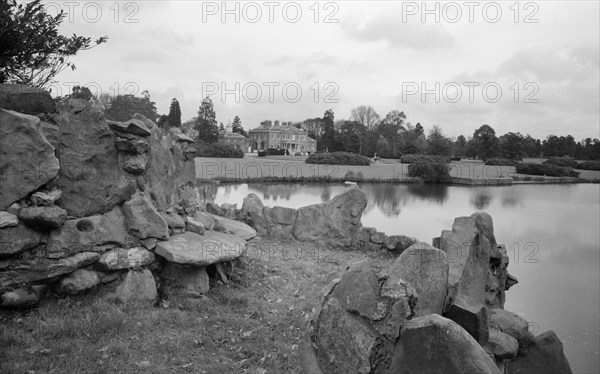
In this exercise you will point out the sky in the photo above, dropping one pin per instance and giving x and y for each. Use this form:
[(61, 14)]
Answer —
[(529, 67)]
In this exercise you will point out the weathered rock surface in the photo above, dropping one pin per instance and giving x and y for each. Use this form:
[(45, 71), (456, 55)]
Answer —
[(47, 198), (236, 228), (215, 209), (83, 234), (434, 344), (253, 214), (137, 287), (8, 220), (426, 268), (201, 250), (194, 226), (27, 159), (16, 239), (281, 221), (501, 345), (25, 99), (119, 258), (43, 218), (206, 219), (38, 270), (545, 356), (132, 126), (513, 325), (174, 220), (143, 220), (78, 281), (471, 315), (23, 297), (191, 278), (399, 243), (334, 222)]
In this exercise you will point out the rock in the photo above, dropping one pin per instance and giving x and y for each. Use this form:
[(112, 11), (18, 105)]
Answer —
[(14, 209), (107, 278), (142, 219), (545, 356), (91, 180), (17, 239), (51, 132), (24, 297), (27, 159), (174, 220), (136, 164), (358, 291), (86, 234), (78, 281), (214, 209), (8, 220), (201, 250), (434, 344), (120, 258), (25, 99), (137, 287), (206, 219), (471, 315), (364, 233), (48, 198), (378, 237), (180, 137), (253, 214), (149, 243), (42, 269), (43, 218), (426, 268), (501, 345), (281, 221), (468, 252), (191, 278), (334, 222), (499, 280), (513, 325), (132, 146), (194, 226), (133, 127), (236, 228), (399, 243)]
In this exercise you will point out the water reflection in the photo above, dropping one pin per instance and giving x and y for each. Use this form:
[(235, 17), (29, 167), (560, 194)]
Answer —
[(481, 200)]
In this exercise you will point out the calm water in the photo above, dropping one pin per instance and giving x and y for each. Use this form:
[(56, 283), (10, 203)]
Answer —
[(551, 233)]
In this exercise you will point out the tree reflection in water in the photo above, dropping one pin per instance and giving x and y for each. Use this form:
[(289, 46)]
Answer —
[(481, 199), (390, 198)]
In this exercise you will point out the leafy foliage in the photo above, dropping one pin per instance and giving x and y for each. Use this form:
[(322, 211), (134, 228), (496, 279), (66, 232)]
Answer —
[(589, 165), (236, 127), (418, 158), (206, 123), (123, 107), (501, 162), (548, 170), (562, 161), (32, 51), (337, 158), (430, 172), (174, 114), (220, 150)]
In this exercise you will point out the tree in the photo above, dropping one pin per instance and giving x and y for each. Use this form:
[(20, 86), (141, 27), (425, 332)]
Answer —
[(486, 142), (383, 147), (366, 115), (237, 128), (123, 107), (206, 123), (32, 52), (395, 118), (511, 146), (174, 114), (327, 140), (351, 135), (459, 146), (437, 143)]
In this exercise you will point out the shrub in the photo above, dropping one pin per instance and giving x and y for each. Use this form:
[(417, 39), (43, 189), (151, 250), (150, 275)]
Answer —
[(262, 153), (430, 172), (548, 170), (337, 158), (501, 162), (414, 158), (561, 161), (589, 165), (221, 151)]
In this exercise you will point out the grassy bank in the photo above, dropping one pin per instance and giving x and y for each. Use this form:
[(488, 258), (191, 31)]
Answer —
[(253, 324)]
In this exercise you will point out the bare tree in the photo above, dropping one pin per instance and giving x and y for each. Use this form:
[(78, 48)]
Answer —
[(365, 115)]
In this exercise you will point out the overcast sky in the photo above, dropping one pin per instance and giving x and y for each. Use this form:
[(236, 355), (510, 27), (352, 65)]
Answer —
[(531, 67)]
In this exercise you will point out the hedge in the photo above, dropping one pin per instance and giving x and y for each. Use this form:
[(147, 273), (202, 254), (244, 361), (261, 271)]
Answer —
[(548, 170), (430, 172), (501, 162), (221, 151), (561, 161), (414, 158), (589, 165), (337, 158)]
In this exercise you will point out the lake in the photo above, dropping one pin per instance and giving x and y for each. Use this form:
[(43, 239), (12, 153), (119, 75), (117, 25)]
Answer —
[(551, 233)]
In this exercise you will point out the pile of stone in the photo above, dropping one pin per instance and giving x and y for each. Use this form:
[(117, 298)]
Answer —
[(436, 309), (88, 204)]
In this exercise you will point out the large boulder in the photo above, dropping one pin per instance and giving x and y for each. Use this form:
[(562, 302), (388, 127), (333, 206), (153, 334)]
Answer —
[(513, 325), (27, 159), (43, 218), (90, 177), (143, 220), (25, 99), (281, 221), (236, 228), (434, 344), (471, 315), (17, 239), (201, 250), (120, 258), (254, 215), (88, 234), (8, 220), (78, 281), (137, 287), (545, 356), (426, 268), (334, 222), (399, 243), (45, 198), (20, 271), (22, 297), (190, 278)]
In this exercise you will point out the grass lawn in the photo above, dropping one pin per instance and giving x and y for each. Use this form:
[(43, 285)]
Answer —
[(253, 324)]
